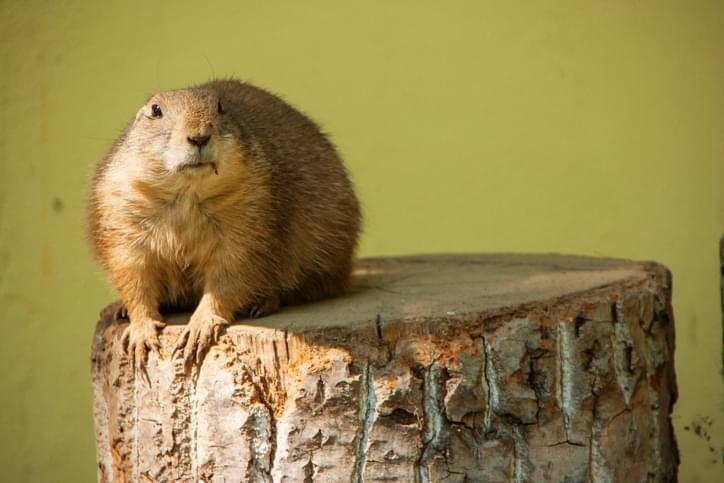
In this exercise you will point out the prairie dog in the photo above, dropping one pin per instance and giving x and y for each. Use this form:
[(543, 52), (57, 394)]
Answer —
[(224, 198)]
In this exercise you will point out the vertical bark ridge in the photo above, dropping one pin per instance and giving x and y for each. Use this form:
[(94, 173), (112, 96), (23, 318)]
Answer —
[(367, 407), (262, 461), (490, 384), (565, 384)]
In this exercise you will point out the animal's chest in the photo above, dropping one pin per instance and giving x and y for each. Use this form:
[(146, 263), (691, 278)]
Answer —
[(184, 231)]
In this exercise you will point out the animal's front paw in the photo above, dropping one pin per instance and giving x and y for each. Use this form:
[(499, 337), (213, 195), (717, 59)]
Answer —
[(115, 312), (199, 335), (121, 313), (139, 337), (261, 307)]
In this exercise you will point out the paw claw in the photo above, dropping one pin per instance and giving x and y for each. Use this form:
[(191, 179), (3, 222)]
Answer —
[(181, 342), (197, 338), (125, 338), (121, 313), (141, 356), (188, 350), (137, 339), (156, 347), (262, 307)]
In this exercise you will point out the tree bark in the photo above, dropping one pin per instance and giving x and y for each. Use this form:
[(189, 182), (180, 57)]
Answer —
[(435, 368)]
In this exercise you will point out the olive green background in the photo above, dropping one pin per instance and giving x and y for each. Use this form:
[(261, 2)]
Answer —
[(584, 127)]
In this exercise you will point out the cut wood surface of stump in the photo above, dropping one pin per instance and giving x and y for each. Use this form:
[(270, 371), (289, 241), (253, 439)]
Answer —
[(489, 368)]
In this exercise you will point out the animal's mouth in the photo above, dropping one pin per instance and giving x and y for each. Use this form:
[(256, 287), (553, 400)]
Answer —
[(196, 166)]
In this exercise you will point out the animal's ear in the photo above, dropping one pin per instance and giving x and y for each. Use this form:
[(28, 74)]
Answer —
[(144, 110), (138, 116), (147, 111)]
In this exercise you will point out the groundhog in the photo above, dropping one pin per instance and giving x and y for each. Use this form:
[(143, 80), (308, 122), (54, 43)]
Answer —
[(225, 198)]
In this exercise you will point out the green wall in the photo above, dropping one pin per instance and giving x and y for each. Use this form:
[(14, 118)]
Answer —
[(585, 127)]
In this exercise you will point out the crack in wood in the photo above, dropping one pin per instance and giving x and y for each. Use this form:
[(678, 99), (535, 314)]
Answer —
[(261, 394), (309, 469), (193, 422), (534, 375), (366, 416), (286, 344), (565, 382), (566, 442), (490, 384), (432, 401), (520, 456), (626, 375), (136, 449)]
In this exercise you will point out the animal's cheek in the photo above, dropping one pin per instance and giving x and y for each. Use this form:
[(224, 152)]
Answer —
[(150, 145), (227, 149)]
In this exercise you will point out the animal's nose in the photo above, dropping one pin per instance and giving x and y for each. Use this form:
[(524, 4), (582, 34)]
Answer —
[(199, 140)]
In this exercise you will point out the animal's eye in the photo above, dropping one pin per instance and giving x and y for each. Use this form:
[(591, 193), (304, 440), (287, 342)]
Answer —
[(220, 108), (156, 110)]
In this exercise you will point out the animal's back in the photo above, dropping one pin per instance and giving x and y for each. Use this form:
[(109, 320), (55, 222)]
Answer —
[(314, 208)]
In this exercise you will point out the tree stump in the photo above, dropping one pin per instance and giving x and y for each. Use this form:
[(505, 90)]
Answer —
[(435, 368)]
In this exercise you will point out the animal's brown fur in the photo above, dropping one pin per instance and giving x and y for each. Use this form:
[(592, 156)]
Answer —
[(270, 219)]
